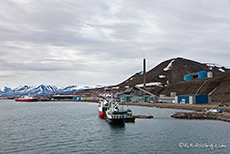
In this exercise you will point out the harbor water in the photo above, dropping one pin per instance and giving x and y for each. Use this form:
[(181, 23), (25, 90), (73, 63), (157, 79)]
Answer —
[(74, 127)]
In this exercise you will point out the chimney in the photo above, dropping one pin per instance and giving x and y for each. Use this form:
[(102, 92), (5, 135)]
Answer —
[(144, 74)]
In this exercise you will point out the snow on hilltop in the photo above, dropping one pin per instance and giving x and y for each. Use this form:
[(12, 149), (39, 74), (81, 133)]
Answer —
[(169, 66), (219, 67), (171, 71)]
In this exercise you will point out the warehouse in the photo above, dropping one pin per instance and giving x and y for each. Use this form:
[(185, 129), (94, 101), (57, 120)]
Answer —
[(193, 99)]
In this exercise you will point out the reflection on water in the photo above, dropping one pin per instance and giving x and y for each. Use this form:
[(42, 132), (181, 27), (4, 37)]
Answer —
[(116, 126)]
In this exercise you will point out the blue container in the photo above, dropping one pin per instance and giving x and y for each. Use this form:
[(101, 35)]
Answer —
[(187, 78), (202, 75), (219, 111)]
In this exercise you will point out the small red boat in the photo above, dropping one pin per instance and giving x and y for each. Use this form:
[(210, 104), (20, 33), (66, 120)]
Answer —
[(102, 108), (26, 99)]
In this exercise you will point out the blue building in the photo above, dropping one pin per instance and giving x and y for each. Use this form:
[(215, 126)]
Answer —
[(202, 75), (187, 77), (193, 99)]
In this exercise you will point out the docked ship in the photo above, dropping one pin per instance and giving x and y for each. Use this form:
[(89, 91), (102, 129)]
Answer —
[(114, 114), (102, 108), (26, 99)]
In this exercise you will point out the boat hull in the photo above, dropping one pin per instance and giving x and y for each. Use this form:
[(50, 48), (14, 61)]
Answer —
[(115, 121), (102, 108), (102, 114), (26, 100), (115, 118)]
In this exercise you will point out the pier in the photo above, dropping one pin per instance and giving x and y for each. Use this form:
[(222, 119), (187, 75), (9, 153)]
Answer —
[(143, 116)]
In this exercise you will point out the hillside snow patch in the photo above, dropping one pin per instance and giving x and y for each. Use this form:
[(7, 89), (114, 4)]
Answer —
[(221, 70), (162, 76), (159, 84), (169, 66)]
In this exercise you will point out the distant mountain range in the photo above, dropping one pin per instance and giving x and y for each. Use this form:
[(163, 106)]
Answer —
[(41, 90), (166, 77)]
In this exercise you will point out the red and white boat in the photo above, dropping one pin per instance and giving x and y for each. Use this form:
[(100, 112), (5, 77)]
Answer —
[(26, 99), (102, 108), (116, 115)]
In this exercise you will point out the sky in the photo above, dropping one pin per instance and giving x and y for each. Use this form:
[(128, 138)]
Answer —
[(103, 42)]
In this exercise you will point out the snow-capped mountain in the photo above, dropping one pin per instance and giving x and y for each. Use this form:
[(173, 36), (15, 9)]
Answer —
[(41, 90), (68, 89)]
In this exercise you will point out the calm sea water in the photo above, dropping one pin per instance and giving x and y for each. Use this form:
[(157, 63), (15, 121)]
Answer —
[(74, 127)]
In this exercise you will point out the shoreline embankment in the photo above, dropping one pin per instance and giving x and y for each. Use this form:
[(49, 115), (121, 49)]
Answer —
[(194, 107), (202, 115), (200, 110)]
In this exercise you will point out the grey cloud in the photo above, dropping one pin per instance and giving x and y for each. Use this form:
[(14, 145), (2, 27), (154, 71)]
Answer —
[(75, 40)]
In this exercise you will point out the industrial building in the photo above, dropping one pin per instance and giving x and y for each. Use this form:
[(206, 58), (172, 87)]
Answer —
[(137, 94), (193, 99), (167, 99)]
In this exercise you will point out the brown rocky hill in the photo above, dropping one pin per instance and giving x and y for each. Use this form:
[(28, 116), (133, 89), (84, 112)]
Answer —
[(170, 75), (218, 88), (171, 71)]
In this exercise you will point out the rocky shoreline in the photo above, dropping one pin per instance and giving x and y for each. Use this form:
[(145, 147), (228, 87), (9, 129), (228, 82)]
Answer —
[(194, 107), (199, 110), (202, 115)]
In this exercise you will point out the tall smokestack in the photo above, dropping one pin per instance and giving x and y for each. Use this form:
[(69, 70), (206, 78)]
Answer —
[(144, 74)]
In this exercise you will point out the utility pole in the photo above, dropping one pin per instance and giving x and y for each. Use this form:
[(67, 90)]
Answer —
[(144, 73)]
